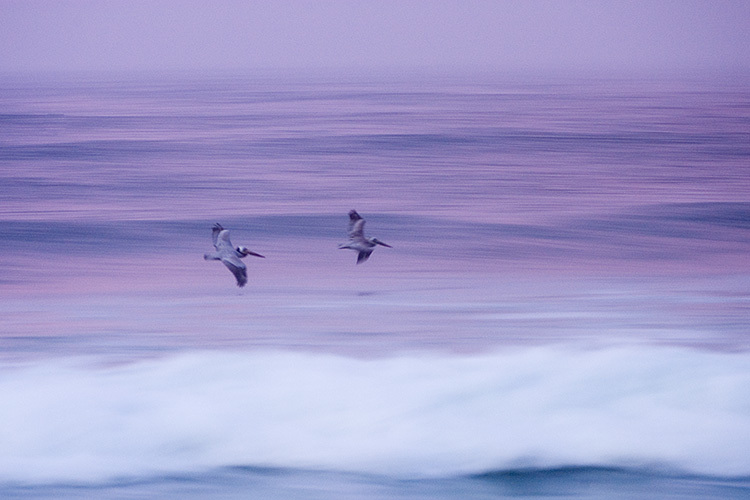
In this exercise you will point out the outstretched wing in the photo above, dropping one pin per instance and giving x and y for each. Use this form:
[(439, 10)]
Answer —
[(363, 255), (356, 226), (215, 234), (238, 269), (221, 238)]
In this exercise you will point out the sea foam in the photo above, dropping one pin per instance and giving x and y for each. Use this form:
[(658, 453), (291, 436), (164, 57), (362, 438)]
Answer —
[(411, 416)]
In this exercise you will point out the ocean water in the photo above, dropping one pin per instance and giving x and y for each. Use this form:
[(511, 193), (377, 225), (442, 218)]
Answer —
[(565, 310)]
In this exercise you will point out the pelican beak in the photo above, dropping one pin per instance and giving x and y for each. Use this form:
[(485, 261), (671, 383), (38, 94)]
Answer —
[(255, 254), (381, 243)]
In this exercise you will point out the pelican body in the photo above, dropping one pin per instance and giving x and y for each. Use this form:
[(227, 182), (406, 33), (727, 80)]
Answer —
[(230, 255), (357, 240)]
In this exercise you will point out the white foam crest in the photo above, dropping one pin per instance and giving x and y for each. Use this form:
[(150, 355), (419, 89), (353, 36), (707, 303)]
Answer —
[(410, 415)]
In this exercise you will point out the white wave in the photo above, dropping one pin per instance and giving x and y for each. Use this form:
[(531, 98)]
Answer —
[(411, 416)]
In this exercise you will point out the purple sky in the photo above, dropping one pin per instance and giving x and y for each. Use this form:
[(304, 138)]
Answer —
[(502, 36)]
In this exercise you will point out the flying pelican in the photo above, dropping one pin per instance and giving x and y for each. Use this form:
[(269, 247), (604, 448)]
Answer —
[(229, 255), (357, 241)]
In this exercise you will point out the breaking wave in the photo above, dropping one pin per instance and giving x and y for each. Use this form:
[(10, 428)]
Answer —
[(408, 416)]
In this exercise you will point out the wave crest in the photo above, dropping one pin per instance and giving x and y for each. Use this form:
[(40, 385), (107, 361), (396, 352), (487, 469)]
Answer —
[(413, 416)]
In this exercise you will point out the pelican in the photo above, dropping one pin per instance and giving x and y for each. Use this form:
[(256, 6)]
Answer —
[(357, 241), (229, 255)]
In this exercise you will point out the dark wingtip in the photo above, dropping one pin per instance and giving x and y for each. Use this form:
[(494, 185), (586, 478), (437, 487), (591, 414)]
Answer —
[(353, 215), (362, 256)]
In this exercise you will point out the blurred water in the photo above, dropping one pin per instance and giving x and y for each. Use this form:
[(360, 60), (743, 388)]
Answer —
[(494, 152), (518, 211), (573, 214)]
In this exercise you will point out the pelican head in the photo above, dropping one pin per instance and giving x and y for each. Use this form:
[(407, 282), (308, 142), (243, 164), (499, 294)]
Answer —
[(244, 251)]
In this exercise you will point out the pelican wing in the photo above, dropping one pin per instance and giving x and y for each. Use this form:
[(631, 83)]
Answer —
[(222, 242), (237, 267), (356, 226), (363, 255), (215, 233), (357, 230)]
